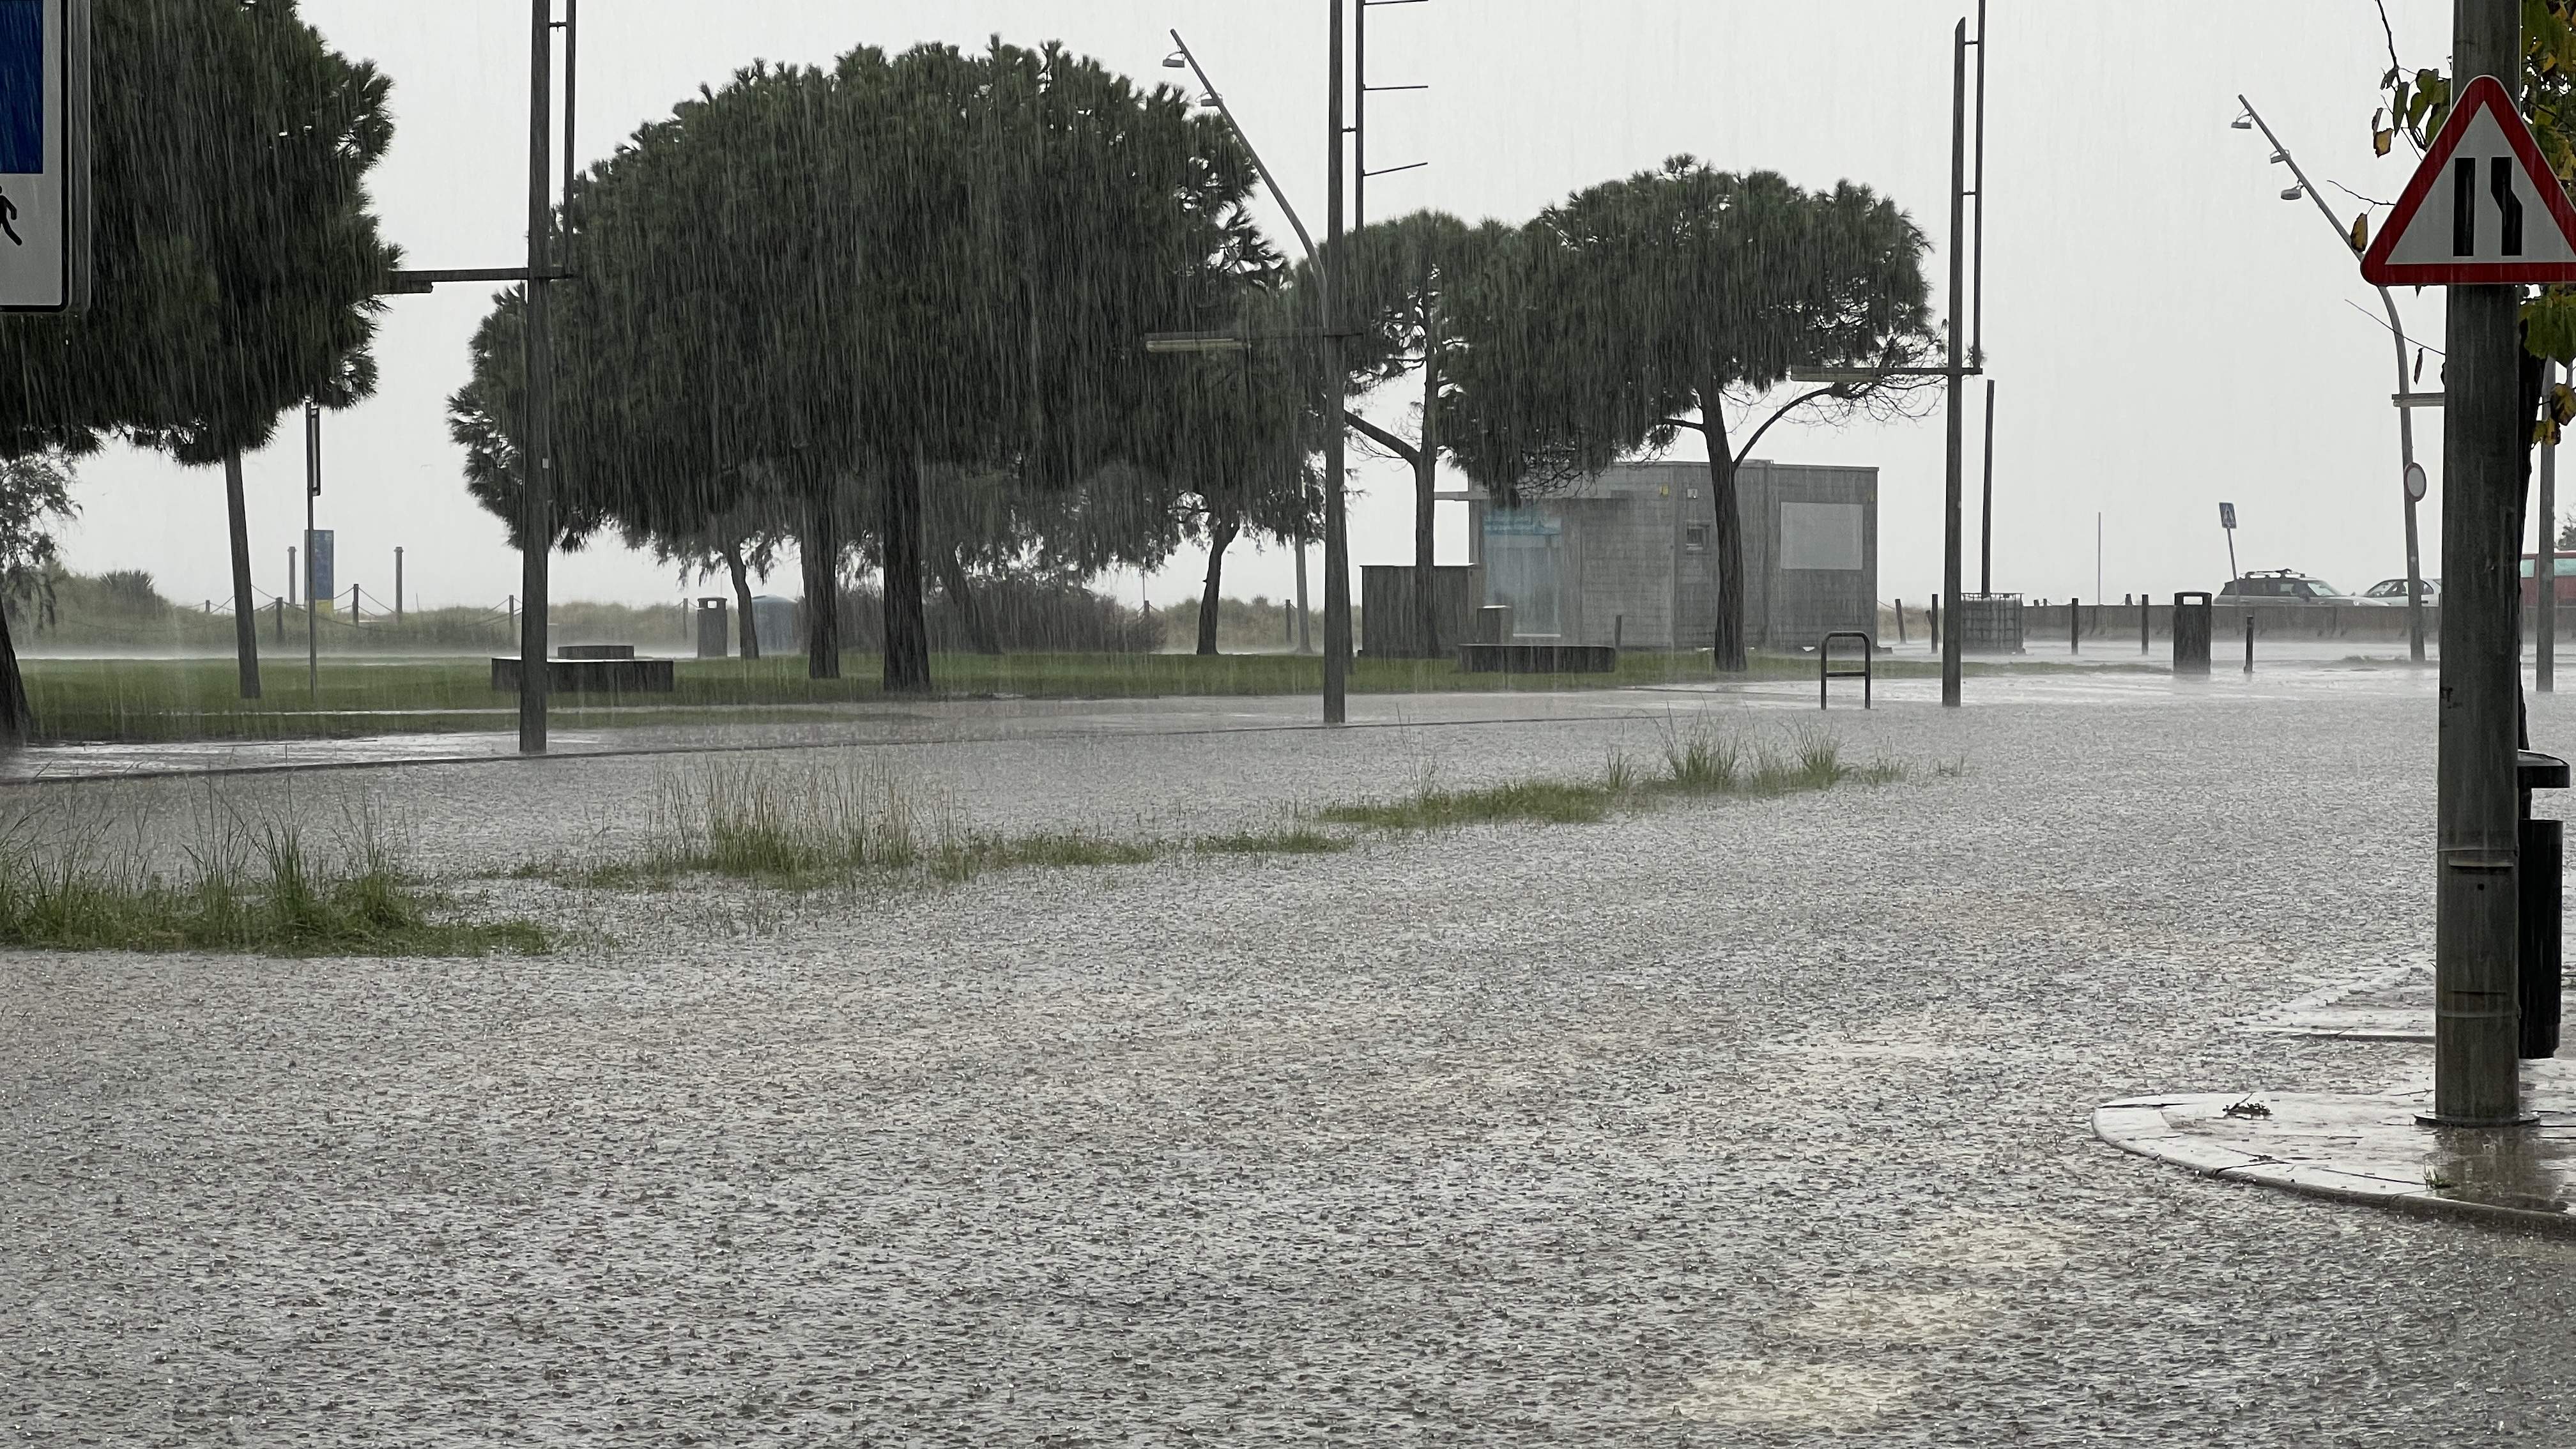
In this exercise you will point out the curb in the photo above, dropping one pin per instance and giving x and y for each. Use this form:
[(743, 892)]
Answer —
[(2175, 1129)]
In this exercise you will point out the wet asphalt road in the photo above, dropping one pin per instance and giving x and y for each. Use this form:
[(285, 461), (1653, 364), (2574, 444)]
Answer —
[(1753, 1123)]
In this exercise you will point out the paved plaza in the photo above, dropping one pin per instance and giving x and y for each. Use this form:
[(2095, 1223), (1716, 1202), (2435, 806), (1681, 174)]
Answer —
[(1756, 1122)]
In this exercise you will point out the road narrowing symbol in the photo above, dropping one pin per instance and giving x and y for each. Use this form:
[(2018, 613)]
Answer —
[(2482, 209)]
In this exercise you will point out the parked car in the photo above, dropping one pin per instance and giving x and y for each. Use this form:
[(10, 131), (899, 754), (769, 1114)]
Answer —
[(2393, 592), (2282, 586)]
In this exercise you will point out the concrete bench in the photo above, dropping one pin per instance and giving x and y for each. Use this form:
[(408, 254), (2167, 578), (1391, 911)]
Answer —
[(1538, 659), (614, 675), (596, 651)]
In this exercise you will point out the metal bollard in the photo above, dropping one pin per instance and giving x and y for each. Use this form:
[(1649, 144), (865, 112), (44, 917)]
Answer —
[(2538, 928), (2249, 641), (1934, 637), (2144, 610), (1900, 621), (2074, 627)]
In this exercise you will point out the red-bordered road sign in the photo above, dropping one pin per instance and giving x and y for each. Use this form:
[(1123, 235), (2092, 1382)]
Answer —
[(2482, 209)]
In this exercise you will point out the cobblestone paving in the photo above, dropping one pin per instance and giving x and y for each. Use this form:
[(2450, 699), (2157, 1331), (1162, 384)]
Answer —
[(1755, 1123)]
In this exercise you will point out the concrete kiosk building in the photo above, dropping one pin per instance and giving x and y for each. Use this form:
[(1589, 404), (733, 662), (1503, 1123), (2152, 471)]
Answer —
[(1629, 558)]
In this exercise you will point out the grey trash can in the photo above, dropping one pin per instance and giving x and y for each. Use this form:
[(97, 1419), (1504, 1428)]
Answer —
[(714, 616), (2191, 615)]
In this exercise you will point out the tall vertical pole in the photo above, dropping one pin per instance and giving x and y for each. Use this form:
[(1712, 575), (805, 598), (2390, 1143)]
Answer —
[(1359, 114), (1950, 521), (398, 584), (312, 491), (536, 453), (2545, 571), (2406, 465), (1337, 561), (1986, 507), (2476, 1018), (1977, 308)]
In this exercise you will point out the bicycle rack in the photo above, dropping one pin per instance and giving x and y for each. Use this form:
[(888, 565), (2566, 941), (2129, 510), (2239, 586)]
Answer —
[(1826, 673)]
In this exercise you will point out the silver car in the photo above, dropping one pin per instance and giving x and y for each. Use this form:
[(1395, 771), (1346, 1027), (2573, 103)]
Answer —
[(2393, 592)]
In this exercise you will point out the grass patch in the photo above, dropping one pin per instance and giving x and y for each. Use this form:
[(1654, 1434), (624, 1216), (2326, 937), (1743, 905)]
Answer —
[(150, 700), (852, 822), (1288, 840), (250, 888), (1698, 759), (1543, 802)]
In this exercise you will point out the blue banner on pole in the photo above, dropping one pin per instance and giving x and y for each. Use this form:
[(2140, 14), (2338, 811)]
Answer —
[(319, 585), (22, 87)]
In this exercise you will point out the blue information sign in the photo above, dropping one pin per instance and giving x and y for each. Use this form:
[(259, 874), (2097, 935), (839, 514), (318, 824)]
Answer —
[(22, 87), (319, 585)]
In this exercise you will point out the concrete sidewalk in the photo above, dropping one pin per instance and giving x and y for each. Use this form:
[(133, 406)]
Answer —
[(2370, 1149)]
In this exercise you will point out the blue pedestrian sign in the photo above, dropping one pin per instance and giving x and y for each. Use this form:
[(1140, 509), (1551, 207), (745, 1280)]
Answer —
[(320, 583), (44, 154), (2227, 516)]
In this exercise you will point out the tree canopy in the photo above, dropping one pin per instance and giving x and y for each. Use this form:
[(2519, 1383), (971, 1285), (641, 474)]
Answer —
[(866, 279), (1640, 308)]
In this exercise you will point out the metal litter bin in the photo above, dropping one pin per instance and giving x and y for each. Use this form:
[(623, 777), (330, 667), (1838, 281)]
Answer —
[(2537, 919), (713, 627), (2191, 612)]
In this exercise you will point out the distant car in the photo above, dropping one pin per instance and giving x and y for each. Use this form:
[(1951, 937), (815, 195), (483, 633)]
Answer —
[(2283, 586), (2393, 592)]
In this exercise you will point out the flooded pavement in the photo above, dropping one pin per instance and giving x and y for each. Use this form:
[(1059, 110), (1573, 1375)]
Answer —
[(1762, 1122)]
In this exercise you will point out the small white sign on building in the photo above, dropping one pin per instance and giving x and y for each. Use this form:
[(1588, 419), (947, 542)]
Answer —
[(1820, 536)]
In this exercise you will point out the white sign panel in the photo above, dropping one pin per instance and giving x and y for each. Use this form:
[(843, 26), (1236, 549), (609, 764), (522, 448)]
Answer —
[(35, 191), (1820, 536)]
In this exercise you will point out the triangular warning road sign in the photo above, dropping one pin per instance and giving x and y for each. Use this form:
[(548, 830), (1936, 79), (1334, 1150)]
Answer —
[(2483, 208)]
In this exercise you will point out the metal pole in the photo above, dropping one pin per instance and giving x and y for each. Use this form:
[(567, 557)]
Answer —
[(537, 447), (1950, 525), (1986, 508), (1359, 114), (2545, 568), (312, 491), (2476, 1017), (2405, 415), (290, 567), (398, 584), (1337, 570), (1977, 312)]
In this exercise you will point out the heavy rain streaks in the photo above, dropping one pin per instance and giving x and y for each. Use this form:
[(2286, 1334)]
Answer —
[(815, 888)]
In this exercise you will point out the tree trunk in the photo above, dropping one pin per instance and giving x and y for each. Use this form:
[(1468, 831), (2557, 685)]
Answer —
[(245, 612), (742, 599), (1220, 536), (907, 634), (16, 720), (1426, 475), (961, 597), (821, 561), (1728, 648)]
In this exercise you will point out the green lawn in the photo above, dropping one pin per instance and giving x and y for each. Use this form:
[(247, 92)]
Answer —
[(148, 700)]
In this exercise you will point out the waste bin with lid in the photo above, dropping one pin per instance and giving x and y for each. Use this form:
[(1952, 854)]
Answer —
[(712, 631), (2537, 919), (2191, 633)]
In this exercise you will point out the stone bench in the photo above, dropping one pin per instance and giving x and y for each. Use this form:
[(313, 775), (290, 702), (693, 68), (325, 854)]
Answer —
[(616, 674), (1538, 659)]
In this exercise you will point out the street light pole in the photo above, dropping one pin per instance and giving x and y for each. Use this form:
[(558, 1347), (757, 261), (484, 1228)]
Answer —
[(536, 447), (312, 491), (2476, 1019), (1337, 544), (2405, 414), (1950, 503)]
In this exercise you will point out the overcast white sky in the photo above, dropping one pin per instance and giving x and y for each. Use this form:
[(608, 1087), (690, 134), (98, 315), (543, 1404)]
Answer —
[(2165, 331)]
